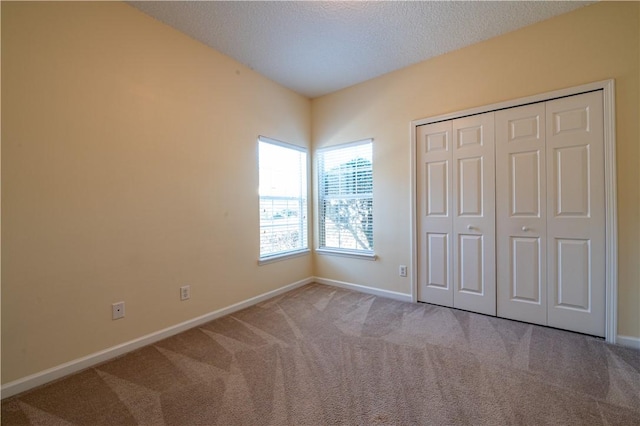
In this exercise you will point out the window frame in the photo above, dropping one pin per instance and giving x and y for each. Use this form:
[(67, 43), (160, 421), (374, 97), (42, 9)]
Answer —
[(304, 201), (319, 204)]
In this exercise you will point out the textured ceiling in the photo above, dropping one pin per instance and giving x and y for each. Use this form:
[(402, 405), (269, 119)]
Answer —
[(317, 47)]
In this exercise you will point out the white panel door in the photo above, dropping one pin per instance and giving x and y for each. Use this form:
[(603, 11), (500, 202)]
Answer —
[(575, 213), (473, 214), (521, 214), (435, 225)]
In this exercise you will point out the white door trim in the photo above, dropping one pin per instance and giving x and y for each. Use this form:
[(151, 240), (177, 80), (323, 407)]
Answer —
[(610, 183)]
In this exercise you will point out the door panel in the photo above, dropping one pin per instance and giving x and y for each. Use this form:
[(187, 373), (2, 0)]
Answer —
[(470, 186), (575, 214), (437, 257), (571, 119), (572, 181), (435, 225), (574, 275), (438, 141), (471, 277), (521, 213), (524, 183), (470, 135), (524, 128), (474, 219), (526, 279), (437, 195)]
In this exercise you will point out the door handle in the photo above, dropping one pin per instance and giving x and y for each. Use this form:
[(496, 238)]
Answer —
[(469, 227), (525, 229)]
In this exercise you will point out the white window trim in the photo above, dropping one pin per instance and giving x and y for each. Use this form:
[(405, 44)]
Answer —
[(276, 257), (284, 145), (355, 254), (283, 256), (330, 251)]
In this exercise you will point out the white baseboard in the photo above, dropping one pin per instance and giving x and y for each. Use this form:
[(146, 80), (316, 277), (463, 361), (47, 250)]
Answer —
[(628, 341), (365, 289), (29, 382)]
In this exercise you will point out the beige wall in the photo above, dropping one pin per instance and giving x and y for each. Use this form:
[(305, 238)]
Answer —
[(129, 164), (128, 169), (591, 44)]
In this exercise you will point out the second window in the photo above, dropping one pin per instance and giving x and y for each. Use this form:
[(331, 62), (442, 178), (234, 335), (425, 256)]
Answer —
[(345, 202)]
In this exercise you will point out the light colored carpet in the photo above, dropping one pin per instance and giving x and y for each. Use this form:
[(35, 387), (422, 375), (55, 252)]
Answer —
[(320, 355)]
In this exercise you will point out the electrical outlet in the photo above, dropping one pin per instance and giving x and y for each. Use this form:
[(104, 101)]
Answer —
[(402, 270), (117, 310), (185, 292)]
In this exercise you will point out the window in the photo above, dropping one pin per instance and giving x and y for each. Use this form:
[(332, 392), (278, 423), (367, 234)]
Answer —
[(345, 204), (282, 170)]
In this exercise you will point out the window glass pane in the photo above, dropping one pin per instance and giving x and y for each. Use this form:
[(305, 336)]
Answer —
[(283, 198), (346, 197)]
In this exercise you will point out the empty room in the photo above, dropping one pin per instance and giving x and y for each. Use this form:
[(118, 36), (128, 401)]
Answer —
[(317, 213)]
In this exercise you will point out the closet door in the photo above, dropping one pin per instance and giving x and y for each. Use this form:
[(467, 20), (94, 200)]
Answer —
[(435, 223), (474, 214), (575, 213), (521, 213)]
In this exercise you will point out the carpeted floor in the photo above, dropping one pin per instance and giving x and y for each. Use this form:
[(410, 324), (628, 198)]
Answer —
[(321, 356)]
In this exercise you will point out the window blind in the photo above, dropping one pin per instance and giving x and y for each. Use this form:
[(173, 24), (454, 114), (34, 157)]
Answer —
[(346, 197)]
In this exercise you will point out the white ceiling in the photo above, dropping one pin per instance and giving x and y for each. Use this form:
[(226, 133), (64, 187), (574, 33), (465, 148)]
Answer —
[(318, 47)]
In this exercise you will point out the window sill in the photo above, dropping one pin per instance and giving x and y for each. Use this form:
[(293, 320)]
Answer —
[(282, 256), (348, 253)]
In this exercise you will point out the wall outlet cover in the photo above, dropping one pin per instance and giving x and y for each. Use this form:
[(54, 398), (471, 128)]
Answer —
[(117, 310)]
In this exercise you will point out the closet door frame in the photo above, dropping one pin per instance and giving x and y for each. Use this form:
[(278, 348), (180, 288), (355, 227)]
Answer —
[(610, 185)]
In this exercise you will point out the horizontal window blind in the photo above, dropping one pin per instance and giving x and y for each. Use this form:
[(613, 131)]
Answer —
[(346, 197), (283, 197)]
